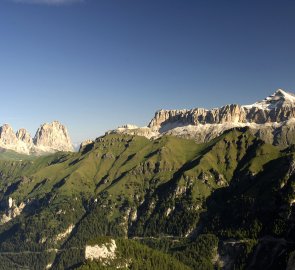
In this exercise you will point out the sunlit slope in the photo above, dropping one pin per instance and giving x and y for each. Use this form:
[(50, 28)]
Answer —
[(129, 186)]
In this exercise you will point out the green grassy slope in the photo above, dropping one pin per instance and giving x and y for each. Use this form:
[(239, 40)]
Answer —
[(235, 186)]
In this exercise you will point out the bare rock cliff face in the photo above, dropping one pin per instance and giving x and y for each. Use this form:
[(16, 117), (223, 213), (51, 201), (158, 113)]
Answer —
[(48, 139), (85, 144), (272, 119), (53, 137), (278, 107), (7, 135), (10, 140), (24, 136)]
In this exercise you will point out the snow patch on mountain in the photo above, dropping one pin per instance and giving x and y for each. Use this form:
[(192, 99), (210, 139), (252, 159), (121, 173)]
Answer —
[(273, 101)]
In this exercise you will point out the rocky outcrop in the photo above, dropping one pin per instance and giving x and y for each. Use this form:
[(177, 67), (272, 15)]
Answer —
[(84, 144), (277, 108), (7, 135), (53, 137), (49, 138), (102, 252), (272, 119), (143, 131), (11, 141), (24, 136), (129, 126), (65, 234), (13, 210)]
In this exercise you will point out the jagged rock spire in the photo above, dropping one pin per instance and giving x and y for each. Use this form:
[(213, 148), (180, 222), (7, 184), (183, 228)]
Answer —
[(49, 138)]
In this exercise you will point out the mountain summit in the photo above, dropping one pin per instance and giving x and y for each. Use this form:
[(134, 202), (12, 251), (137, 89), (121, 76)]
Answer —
[(53, 137), (271, 119), (278, 99), (49, 138)]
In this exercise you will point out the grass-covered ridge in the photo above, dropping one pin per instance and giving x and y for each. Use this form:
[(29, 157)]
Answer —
[(234, 187)]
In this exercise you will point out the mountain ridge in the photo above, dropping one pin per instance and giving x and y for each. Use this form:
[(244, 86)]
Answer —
[(235, 192), (271, 119), (49, 138), (225, 204)]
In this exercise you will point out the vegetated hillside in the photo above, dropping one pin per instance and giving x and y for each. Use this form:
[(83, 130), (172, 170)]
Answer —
[(14, 156), (227, 203)]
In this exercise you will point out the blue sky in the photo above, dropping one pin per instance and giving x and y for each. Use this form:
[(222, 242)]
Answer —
[(97, 64)]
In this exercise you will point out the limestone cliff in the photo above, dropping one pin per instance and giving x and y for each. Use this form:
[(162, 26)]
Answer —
[(53, 137), (49, 138), (272, 119), (11, 141)]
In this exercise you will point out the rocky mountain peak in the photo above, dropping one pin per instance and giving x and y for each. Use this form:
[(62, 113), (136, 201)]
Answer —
[(280, 92), (7, 135), (53, 137), (49, 138), (23, 135), (9, 140), (6, 128), (283, 96), (271, 119), (277, 100), (283, 93)]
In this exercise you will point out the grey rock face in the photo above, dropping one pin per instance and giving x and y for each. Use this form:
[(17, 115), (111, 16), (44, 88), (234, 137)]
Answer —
[(272, 119), (7, 135), (53, 137), (49, 138), (278, 107), (9, 140), (24, 136), (84, 144)]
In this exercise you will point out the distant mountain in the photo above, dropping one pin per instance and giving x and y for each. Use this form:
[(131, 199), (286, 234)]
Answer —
[(49, 138), (272, 119), (167, 203)]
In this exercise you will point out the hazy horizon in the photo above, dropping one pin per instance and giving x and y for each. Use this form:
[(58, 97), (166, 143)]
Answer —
[(95, 65)]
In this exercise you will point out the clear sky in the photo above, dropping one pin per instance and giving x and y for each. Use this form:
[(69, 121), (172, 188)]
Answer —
[(98, 64)]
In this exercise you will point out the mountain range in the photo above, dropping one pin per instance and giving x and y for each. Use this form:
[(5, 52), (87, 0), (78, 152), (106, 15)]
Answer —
[(168, 200), (271, 119), (49, 138)]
